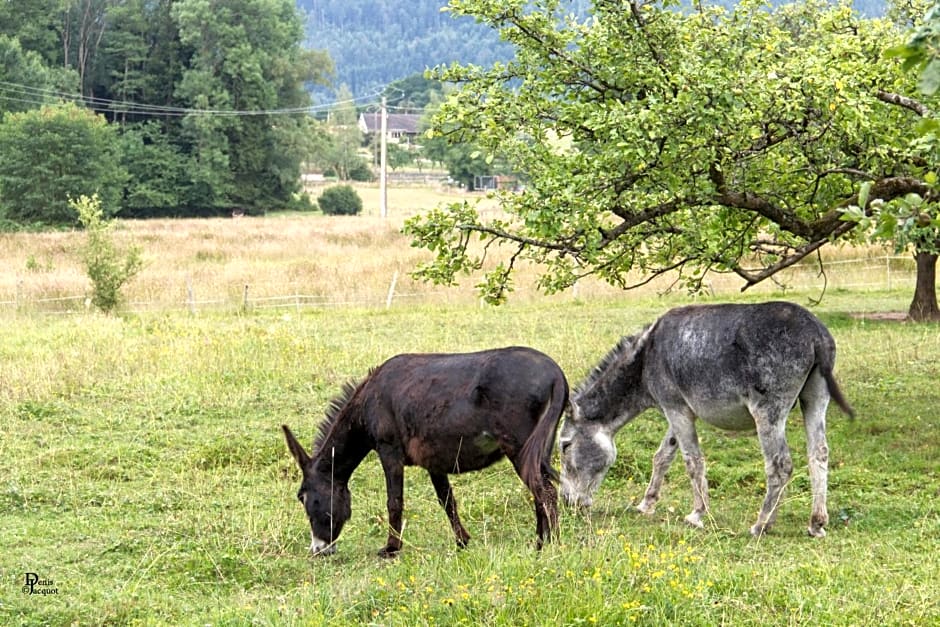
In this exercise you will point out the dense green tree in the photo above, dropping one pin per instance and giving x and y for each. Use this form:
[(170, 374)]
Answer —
[(398, 157), (462, 159), (37, 24), (124, 73), (247, 61), (211, 95), (157, 171), (25, 81), (83, 27), (52, 154), (659, 141), (141, 63), (912, 221)]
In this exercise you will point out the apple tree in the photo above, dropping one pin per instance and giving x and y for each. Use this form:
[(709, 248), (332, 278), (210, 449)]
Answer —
[(661, 140)]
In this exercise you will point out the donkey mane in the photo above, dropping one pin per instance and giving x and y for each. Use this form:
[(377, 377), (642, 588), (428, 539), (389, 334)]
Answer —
[(623, 353), (333, 412)]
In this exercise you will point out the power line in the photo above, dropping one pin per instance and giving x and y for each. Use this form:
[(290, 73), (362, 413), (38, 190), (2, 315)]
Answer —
[(26, 94)]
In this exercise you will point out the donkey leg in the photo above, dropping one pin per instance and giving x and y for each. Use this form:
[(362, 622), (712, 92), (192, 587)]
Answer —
[(545, 498), (662, 460), (445, 496), (813, 400), (778, 465), (394, 486), (546, 512), (695, 467)]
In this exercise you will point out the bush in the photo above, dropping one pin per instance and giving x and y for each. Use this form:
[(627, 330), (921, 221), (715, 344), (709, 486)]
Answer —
[(108, 267), (52, 153), (361, 172), (302, 202), (341, 200)]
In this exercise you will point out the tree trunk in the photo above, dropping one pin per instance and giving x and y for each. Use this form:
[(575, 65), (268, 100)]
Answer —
[(924, 306)]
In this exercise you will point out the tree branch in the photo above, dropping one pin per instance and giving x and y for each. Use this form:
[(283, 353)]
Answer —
[(761, 206), (633, 219), (903, 101), (753, 278), (519, 239)]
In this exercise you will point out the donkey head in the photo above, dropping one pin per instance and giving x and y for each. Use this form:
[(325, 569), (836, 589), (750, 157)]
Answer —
[(325, 500), (587, 452)]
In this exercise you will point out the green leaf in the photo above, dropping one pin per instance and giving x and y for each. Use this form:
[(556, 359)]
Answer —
[(930, 78), (852, 213), (863, 192), (902, 51)]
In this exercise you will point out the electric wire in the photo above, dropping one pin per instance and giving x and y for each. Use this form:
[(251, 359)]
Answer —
[(25, 94)]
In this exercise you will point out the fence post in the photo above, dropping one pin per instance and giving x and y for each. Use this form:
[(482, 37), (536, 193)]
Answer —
[(18, 295), (888, 266), (391, 290), (245, 298), (190, 300)]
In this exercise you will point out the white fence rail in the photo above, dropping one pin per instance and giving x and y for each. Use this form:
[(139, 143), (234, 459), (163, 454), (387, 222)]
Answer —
[(871, 273)]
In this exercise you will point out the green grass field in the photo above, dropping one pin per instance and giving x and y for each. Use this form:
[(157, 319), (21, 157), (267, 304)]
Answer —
[(144, 478)]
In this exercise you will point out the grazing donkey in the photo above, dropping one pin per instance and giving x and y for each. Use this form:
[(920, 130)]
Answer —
[(446, 413), (734, 366)]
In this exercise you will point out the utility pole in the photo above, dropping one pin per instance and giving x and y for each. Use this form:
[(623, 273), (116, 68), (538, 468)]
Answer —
[(383, 177)]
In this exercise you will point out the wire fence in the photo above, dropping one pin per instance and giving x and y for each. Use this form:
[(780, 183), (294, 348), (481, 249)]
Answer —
[(868, 273)]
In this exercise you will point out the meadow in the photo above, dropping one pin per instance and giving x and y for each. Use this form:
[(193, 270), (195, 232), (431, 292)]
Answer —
[(298, 260), (145, 479)]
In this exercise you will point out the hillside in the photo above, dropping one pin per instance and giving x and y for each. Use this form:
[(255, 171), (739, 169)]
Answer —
[(376, 42)]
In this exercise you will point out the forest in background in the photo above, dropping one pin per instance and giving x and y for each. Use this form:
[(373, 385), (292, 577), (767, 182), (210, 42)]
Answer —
[(376, 42), (161, 107)]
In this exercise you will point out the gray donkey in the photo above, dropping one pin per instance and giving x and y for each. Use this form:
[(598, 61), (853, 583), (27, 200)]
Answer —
[(737, 367)]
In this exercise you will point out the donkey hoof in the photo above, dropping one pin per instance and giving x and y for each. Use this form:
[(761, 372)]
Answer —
[(758, 530), (817, 532), (388, 552), (645, 508), (695, 520)]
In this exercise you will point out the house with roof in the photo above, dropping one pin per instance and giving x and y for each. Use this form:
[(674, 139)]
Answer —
[(401, 128)]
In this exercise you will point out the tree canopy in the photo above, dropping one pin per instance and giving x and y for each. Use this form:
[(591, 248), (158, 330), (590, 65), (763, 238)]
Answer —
[(208, 98), (52, 154), (659, 140)]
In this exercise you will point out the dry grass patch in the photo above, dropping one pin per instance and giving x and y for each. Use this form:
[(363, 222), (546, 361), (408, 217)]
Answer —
[(311, 259)]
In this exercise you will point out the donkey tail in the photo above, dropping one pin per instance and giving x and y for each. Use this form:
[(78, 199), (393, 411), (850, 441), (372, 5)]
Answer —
[(825, 361), (535, 457), (836, 393)]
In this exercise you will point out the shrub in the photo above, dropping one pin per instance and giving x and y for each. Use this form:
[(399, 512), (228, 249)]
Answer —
[(361, 172), (52, 153), (341, 200), (302, 202), (108, 267)]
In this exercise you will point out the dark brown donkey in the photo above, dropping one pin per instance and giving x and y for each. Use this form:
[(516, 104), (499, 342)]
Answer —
[(447, 414)]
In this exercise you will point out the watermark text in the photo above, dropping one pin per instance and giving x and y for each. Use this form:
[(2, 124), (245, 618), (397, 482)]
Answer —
[(34, 584)]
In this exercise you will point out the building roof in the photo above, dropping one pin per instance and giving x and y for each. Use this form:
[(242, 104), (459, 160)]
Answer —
[(396, 123)]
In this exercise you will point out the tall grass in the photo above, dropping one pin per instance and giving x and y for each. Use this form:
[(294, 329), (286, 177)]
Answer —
[(144, 473), (311, 259)]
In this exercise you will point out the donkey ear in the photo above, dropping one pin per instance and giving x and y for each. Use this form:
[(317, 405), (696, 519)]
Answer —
[(298, 452)]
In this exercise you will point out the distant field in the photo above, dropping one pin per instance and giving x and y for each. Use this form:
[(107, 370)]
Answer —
[(299, 260), (145, 480)]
